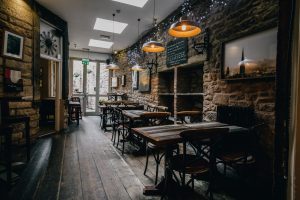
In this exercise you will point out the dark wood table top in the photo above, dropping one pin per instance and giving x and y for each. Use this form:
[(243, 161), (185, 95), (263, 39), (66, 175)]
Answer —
[(120, 106), (134, 114), (169, 134)]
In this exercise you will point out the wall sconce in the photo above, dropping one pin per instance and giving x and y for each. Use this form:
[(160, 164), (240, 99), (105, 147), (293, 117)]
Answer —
[(152, 64), (203, 47)]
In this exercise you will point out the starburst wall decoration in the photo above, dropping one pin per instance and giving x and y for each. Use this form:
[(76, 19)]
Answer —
[(48, 43)]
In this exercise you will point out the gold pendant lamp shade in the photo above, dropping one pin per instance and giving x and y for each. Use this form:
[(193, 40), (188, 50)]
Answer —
[(153, 47), (184, 29)]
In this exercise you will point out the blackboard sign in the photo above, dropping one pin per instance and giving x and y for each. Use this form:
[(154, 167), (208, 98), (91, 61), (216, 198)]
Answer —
[(177, 52)]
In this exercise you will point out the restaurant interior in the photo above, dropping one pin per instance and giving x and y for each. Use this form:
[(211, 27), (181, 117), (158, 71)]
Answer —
[(149, 99)]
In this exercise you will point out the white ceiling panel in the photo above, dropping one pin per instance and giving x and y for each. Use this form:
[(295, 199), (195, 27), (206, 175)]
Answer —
[(82, 14)]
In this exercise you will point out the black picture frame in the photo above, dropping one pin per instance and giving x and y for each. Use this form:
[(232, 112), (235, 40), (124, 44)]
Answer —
[(260, 69), (145, 80), (135, 80), (13, 45)]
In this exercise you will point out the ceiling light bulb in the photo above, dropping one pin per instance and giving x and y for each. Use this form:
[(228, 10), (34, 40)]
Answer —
[(183, 27)]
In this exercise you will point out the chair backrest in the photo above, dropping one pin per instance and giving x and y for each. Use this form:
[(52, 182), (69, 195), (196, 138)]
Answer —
[(75, 99), (162, 108), (155, 118), (183, 114), (118, 117), (151, 107), (236, 115)]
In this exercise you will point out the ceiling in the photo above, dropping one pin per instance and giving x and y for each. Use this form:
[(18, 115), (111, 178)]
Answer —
[(81, 16)]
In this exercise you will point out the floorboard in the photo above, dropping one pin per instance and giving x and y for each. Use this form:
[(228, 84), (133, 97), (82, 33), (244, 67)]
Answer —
[(86, 165)]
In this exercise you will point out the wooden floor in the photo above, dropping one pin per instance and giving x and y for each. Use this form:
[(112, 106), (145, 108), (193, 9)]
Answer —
[(85, 165)]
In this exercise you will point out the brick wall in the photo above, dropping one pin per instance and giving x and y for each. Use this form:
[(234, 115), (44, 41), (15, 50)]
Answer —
[(238, 18), (17, 16)]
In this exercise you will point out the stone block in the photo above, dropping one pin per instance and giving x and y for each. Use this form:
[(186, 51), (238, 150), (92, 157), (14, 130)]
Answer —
[(221, 99)]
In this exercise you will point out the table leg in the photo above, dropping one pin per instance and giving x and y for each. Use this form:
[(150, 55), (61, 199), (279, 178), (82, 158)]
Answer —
[(164, 187), (8, 139), (77, 115), (104, 119)]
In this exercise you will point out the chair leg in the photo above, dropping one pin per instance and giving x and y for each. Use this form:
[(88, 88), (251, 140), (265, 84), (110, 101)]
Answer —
[(157, 165), (147, 160), (118, 138), (193, 183), (123, 143), (112, 135)]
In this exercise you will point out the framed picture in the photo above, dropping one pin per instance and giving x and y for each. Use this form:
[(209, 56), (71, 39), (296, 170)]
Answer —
[(135, 80), (13, 45), (144, 81), (123, 80), (12, 80), (114, 82), (250, 57)]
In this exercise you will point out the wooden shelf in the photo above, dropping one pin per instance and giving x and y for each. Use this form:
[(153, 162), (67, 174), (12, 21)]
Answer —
[(190, 94), (181, 94)]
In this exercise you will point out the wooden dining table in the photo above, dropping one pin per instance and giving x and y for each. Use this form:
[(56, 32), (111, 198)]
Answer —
[(104, 109), (167, 136)]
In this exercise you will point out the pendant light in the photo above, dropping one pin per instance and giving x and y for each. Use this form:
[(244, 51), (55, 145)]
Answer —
[(112, 65), (184, 28), (153, 46), (137, 67)]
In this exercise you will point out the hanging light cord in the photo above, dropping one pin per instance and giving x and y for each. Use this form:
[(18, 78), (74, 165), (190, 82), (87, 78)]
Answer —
[(154, 13), (113, 33), (139, 27)]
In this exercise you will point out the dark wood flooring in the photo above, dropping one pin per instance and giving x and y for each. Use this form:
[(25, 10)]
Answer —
[(85, 165)]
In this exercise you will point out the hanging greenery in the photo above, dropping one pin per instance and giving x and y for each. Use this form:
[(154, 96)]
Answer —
[(134, 53)]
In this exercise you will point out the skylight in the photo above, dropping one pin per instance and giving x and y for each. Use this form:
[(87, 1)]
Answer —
[(100, 44), (107, 25), (137, 3)]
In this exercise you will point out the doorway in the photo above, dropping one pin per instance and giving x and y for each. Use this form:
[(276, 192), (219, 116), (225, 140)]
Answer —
[(49, 70), (89, 83)]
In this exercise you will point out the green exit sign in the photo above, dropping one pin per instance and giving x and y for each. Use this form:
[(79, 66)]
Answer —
[(85, 61)]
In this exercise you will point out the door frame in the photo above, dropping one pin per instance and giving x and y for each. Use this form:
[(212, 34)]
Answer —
[(84, 96)]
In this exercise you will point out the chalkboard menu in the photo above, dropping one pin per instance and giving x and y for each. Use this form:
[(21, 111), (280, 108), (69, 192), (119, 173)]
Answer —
[(177, 52)]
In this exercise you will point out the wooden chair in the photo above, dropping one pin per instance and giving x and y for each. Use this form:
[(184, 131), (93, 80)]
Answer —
[(242, 153), (155, 119), (120, 128), (195, 164), (238, 151), (76, 99), (181, 116)]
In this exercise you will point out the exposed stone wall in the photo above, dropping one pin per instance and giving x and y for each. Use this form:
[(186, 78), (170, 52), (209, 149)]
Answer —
[(17, 16), (238, 18)]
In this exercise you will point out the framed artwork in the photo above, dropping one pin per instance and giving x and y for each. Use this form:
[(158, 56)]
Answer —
[(123, 80), (13, 45), (135, 80), (144, 81), (114, 82), (12, 80), (250, 57)]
